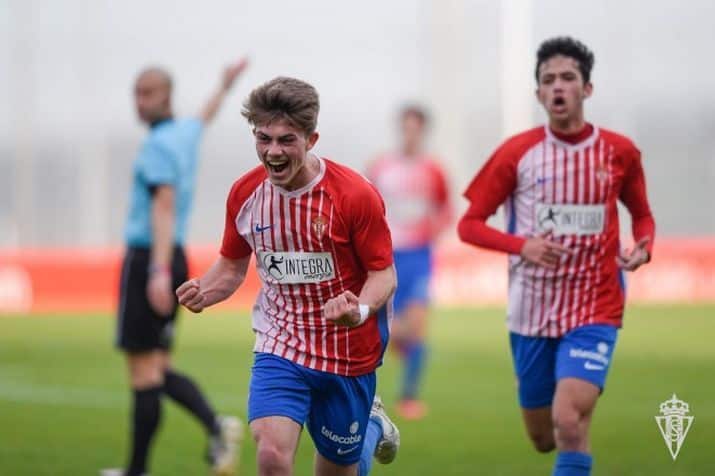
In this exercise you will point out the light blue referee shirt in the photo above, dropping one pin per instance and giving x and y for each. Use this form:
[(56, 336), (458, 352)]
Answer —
[(169, 156)]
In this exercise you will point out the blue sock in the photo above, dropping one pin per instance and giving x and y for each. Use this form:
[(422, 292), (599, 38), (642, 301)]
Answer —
[(373, 434), (414, 365), (572, 463)]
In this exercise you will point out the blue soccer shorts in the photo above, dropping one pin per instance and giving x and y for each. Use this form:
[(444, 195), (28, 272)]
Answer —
[(334, 408), (540, 362), (414, 270)]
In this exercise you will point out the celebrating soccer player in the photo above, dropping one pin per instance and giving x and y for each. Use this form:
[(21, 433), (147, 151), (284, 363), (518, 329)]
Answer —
[(560, 185), (324, 256), (415, 192), (162, 191)]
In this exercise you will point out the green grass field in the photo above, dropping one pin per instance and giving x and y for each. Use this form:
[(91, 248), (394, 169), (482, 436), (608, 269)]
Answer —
[(64, 400)]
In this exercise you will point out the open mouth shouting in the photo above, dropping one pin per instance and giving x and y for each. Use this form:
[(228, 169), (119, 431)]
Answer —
[(558, 105), (279, 168)]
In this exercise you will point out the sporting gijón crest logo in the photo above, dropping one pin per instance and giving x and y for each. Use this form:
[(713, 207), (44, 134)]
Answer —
[(319, 225)]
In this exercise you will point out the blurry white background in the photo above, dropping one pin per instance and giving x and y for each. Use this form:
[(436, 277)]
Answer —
[(68, 131)]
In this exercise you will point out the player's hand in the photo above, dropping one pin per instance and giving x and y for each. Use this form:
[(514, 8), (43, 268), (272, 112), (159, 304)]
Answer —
[(190, 295), (541, 251), (232, 72), (343, 310), (158, 292), (632, 260)]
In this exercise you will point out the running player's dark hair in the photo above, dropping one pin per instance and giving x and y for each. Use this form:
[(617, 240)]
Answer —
[(566, 46), (283, 98), (416, 111)]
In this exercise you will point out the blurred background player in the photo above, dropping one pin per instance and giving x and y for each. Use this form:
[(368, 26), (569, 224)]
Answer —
[(324, 256), (416, 195), (155, 264), (560, 185)]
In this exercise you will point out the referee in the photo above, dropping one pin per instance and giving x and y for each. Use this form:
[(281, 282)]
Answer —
[(163, 185)]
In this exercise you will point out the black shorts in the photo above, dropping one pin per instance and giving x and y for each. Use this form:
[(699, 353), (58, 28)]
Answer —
[(139, 328)]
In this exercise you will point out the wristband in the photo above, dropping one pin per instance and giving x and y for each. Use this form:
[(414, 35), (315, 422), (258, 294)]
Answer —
[(364, 313)]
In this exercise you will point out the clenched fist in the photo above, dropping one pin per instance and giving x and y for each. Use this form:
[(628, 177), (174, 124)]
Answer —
[(343, 310), (190, 295)]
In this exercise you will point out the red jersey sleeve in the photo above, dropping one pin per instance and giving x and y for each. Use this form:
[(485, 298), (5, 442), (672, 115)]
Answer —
[(634, 197), (440, 198), (233, 245), (496, 180), (441, 191), (371, 237)]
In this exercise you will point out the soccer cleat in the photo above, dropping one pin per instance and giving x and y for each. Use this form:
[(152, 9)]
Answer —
[(409, 409), (387, 447), (223, 449)]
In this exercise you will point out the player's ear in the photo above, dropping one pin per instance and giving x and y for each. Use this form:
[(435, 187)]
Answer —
[(537, 93), (587, 89), (312, 139)]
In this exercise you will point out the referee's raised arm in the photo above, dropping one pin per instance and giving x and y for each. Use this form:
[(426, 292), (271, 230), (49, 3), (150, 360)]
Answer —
[(208, 112)]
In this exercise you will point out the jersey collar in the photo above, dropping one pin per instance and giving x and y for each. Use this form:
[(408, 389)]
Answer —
[(584, 138)]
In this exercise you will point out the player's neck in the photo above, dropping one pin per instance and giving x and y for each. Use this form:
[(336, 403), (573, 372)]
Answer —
[(574, 136), (306, 174), (161, 120), (411, 151), (569, 126)]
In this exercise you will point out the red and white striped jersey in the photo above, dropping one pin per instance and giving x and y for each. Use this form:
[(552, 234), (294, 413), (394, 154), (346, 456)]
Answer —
[(569, 185), (416, 197), (310, 245)]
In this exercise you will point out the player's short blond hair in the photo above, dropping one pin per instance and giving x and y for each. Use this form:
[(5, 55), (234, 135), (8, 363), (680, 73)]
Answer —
[(283, 98)]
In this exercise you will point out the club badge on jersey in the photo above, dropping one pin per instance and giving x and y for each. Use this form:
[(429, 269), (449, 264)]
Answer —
[(319, 225)]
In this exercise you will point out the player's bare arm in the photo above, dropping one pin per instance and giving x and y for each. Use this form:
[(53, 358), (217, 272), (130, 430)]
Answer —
[(345, 308), (218, 284), (228, 78), (162, 224)]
